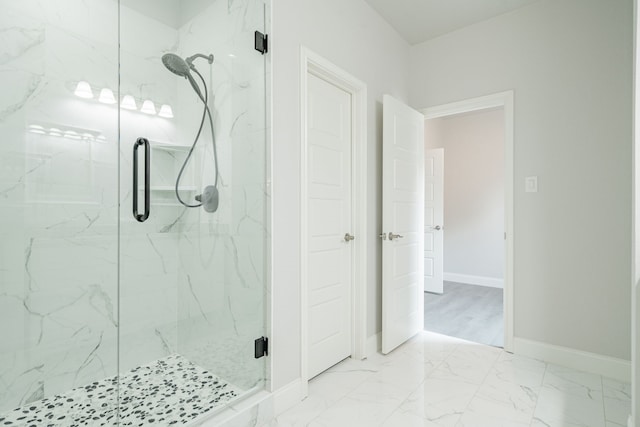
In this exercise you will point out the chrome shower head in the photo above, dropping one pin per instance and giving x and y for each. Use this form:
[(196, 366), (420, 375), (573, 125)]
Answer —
[(175, 64), (182, 68)]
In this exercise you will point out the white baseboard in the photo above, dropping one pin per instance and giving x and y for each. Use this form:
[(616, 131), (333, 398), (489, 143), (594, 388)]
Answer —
[(287, 397), (467, 279), (606, 366), (374, 344)]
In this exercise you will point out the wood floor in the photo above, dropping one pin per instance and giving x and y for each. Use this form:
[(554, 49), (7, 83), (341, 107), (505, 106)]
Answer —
[(470, 312)]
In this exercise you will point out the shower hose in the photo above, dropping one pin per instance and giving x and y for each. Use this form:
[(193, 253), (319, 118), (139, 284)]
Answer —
[(205, 113)]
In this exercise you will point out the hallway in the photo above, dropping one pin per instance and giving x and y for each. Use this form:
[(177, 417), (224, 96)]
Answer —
[(469, 312)]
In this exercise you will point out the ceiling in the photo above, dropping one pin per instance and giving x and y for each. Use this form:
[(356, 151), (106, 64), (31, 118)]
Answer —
[(420, 20), (174, 13)]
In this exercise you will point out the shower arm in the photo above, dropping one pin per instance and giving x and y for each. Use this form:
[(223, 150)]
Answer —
[(190, 59)]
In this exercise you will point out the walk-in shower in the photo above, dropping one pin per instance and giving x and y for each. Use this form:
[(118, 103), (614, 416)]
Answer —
[(109, 318)]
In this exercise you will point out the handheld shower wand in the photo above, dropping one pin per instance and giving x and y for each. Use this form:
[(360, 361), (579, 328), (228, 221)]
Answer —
[(209, 198)]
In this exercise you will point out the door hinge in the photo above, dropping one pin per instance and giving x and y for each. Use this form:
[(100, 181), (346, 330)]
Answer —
[(261, 42), (261, 347)]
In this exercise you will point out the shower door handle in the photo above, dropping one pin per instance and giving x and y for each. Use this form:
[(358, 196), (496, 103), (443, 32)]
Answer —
[(147, 172)]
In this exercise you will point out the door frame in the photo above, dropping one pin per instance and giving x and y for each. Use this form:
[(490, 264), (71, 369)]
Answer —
[(506, 101), (313, 63)]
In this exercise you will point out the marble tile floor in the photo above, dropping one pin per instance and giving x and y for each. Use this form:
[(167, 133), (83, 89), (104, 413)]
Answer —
[(168, 391), (435, 380)]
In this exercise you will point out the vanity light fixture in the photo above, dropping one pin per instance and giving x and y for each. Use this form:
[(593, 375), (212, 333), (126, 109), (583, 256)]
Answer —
[(166, 111), (37, 129), (148, 107), (106, 96), (55, 132), (83, 90), (64, 131), (129, 103), (72, 135)]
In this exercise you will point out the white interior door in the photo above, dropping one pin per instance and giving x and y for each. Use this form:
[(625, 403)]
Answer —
[(434, 220), (403, 223), (329, 257)]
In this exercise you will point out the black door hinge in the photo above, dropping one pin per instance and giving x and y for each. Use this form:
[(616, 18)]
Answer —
[(261, 347), (261, 42)]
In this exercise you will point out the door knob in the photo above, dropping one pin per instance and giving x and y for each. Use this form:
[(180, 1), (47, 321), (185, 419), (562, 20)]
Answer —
[(348, 237), (395, 236), (437, 227)]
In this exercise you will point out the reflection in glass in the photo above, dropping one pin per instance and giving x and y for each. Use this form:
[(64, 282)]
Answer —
[(83, 90)]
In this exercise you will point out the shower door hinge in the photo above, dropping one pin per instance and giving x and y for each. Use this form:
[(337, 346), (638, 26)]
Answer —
[(261, 347), (261, 42)]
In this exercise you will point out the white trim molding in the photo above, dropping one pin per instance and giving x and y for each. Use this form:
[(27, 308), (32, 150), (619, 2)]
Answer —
[(312, 63), (635, 225), (287, 397), (255, 409), (504, 100), (258, 409), (374, 344), (492, 282), (607, 366)]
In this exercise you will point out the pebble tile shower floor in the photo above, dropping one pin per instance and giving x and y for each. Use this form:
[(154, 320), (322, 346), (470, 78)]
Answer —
[(169, 391)]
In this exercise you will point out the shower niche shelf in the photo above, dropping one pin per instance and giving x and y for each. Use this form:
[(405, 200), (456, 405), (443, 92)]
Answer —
[(165, 188), (166, 160), (167, 146)]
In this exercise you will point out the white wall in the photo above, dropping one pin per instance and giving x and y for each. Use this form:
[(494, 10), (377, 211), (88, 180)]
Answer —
[(570, 65), (473, 193), (352, 36)]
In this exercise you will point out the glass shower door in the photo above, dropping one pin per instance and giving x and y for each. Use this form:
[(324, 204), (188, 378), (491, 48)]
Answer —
[(59, 210), (192, 273)]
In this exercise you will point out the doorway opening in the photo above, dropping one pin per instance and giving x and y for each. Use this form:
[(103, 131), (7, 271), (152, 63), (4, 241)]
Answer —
[(469, 220)]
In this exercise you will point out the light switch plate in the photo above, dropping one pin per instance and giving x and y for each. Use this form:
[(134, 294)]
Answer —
[(531, 184)]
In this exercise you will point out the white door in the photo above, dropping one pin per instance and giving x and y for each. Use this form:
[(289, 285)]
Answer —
[(402, 222), (434, 220), (329, 220)]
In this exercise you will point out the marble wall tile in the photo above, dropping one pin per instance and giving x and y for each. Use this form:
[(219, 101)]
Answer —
[(232, 240), (58, 200)]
